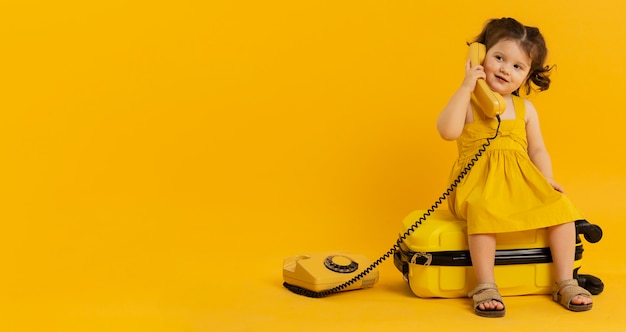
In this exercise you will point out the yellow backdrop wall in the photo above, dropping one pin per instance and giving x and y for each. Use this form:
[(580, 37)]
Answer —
[(158, 145)]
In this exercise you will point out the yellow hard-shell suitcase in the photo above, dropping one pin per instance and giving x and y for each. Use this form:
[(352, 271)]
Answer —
[(435, 259)]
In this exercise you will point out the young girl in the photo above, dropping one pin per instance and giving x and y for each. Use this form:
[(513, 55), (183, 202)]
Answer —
[(511, 187)]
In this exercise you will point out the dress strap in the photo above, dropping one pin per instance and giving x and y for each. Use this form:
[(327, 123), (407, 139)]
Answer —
[(478, 113), (520, 107)]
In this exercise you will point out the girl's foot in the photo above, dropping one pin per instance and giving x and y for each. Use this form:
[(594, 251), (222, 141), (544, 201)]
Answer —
[(487, 300), (571, 296)]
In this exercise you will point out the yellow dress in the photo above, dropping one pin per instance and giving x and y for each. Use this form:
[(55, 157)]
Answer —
[(504, 191)]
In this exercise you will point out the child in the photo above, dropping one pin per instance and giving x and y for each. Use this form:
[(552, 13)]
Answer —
[(511, 187)]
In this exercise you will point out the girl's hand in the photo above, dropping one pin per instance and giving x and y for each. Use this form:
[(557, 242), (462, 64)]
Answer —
[(472, 74), (556, 186)]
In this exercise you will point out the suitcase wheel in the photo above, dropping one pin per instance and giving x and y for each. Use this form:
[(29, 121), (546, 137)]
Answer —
[(591, 232), (593, 284)]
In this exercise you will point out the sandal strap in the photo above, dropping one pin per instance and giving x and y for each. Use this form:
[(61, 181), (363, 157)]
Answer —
[(485, 292)]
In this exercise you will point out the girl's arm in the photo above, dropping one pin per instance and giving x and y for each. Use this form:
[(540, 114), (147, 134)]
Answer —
[(536, 146), (453, 117)]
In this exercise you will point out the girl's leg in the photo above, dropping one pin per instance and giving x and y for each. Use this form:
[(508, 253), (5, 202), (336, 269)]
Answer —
[(483, 253), (563, 247)]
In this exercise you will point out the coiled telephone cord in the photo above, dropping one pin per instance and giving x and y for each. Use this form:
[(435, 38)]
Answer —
[(396, 246)]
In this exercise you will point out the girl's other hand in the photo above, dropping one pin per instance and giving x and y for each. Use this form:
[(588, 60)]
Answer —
[(556, 186)]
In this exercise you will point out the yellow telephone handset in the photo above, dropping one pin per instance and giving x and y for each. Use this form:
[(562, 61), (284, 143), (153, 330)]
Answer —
[(491, 103)]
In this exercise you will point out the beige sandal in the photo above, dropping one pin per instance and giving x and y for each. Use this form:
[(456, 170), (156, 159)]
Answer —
[(483, 293), (566, 290)]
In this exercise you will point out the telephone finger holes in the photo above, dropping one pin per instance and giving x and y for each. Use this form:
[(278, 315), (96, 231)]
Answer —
[(340, 264)]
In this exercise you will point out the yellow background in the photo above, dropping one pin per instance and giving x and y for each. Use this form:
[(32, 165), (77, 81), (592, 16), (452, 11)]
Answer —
[(161, 158)]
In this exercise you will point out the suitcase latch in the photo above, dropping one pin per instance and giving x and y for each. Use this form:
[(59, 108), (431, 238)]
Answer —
[(429, 258)]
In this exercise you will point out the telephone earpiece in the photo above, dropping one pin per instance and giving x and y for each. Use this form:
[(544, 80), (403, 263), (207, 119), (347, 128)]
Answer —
[(491, 103)]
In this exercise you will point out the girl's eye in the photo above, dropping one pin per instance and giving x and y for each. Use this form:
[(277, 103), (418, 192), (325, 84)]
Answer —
[(498, 57)]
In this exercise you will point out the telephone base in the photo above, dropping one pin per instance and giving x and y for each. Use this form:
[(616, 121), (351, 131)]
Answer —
[(321, 274)]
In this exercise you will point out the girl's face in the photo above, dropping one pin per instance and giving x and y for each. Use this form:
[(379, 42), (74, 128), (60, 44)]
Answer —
[(507, 66)]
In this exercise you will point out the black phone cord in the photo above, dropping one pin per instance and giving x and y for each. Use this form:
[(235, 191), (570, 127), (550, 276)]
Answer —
[(396, 246)]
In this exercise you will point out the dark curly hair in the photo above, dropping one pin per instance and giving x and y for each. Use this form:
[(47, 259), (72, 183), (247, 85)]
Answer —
[(529, 39)]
